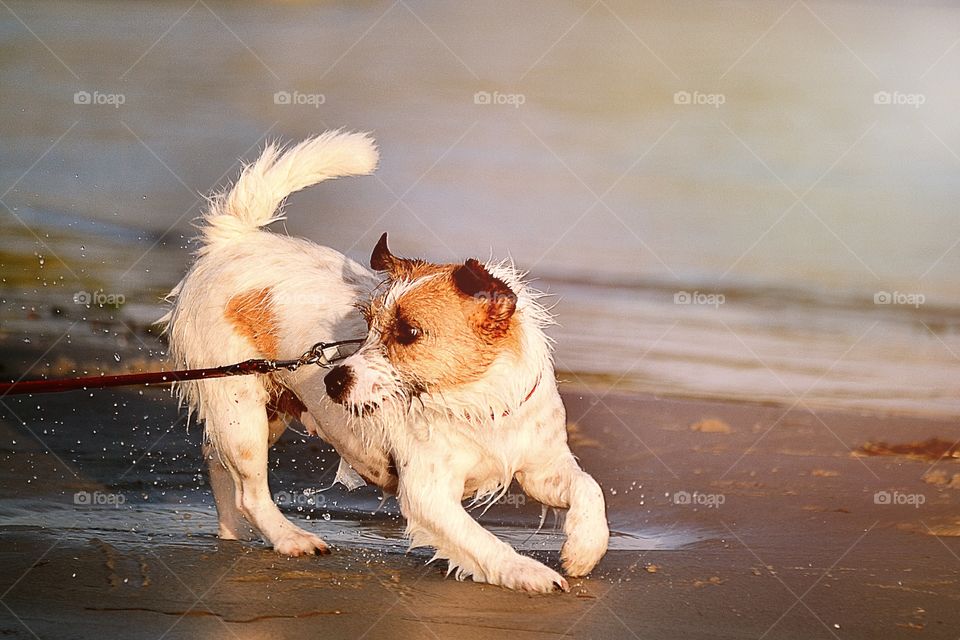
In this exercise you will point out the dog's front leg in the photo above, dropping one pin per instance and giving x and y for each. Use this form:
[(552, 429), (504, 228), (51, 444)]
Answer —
[(562, 483), (431, 501)]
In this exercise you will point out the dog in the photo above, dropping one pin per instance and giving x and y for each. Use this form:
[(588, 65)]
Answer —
[(451, 395)]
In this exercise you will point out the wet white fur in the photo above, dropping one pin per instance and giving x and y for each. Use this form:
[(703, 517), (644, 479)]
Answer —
[(446, 447)]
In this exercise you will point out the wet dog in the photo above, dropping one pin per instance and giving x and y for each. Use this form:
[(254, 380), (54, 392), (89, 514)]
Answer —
[(451, 395)]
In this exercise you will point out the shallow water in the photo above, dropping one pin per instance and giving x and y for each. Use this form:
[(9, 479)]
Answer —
[(190, 523), (782, 212)]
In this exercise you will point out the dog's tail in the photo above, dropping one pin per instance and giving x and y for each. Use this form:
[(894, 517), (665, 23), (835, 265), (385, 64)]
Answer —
[(255, 199)]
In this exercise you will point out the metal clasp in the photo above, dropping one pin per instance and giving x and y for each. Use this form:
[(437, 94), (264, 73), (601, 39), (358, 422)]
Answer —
[(323, 354)]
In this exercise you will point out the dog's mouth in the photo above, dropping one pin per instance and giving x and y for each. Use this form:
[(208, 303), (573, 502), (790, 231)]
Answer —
[(411, 393), (364, 409)]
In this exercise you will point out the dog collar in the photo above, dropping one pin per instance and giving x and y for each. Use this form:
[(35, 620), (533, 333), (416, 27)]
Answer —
[(532, 389), (528, 396)]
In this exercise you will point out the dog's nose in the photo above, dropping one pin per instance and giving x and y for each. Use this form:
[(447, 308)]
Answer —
[(338, 382)]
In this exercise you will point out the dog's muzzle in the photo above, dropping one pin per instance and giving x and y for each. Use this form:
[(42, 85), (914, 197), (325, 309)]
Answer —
[(338, 382)]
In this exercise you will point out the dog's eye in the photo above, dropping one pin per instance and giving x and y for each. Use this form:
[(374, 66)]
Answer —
[(406, 333)]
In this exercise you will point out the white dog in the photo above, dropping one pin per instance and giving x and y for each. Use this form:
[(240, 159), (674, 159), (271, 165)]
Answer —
[(451, 395)]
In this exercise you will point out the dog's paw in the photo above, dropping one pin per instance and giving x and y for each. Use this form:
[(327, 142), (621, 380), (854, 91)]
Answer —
[(584, 547), (300, 543), (526, 574)]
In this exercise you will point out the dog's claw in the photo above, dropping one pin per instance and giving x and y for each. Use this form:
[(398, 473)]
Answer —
[(527, 574), (300, 543)]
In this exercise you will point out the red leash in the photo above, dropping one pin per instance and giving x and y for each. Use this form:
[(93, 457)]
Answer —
[(317, 354)]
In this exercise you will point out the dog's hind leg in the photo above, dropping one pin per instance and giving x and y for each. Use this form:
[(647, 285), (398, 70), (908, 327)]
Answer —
[(563, 484), (232, 524), (240, 435)]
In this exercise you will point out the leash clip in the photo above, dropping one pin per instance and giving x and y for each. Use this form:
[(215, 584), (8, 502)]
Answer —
[(317, 354)]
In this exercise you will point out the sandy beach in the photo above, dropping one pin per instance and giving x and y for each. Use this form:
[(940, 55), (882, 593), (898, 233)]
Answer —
[(729, 520)]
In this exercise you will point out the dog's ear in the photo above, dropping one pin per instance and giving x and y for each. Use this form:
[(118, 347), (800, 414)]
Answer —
[(382, 260), (498, 299)]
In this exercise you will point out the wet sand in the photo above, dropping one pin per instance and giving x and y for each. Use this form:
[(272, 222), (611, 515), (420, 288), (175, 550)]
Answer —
[(730, 520)]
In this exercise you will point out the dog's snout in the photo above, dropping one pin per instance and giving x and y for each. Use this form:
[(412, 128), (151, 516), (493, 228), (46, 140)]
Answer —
[(338, 382)]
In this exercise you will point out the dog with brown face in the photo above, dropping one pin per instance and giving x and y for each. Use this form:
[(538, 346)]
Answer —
[(451, 395)]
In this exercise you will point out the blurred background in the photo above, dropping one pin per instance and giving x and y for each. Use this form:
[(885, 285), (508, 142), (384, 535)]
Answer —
[(743, 200)]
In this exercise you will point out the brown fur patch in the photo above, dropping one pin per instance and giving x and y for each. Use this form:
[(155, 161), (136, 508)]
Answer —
[(284, 402), (252, 314), (455, 344)]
